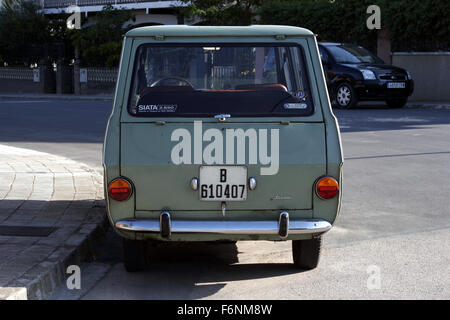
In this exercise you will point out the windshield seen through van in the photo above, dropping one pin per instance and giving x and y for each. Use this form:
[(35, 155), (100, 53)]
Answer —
[(210, 79)]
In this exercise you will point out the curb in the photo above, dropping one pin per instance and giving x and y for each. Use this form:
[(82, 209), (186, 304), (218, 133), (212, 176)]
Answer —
[(43, 286), (54, 274)]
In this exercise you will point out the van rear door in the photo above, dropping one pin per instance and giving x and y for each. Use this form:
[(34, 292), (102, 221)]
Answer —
[(146, 159)]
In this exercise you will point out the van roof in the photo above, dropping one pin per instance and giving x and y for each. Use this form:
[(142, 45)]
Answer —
[(215, 31)]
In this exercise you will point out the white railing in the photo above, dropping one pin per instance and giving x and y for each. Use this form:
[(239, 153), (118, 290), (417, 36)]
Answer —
[(46, 4), (102, 74), (16, 73)]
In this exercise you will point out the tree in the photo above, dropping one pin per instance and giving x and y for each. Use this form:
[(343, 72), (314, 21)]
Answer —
[(100, 43), (221, 12), (23, 31)]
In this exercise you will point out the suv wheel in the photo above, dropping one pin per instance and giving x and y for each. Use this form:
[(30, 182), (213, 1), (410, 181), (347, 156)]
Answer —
[(306, 253), (396, 103), (134, 255), (345, 96)]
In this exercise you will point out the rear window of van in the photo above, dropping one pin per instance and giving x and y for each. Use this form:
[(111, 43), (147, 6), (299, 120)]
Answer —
[(204, 80)]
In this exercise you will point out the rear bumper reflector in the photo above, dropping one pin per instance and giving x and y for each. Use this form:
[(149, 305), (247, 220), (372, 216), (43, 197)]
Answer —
[(165, 226)]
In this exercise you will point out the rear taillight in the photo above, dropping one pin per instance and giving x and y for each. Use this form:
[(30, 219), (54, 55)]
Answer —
[(120, 189), (327, 188)]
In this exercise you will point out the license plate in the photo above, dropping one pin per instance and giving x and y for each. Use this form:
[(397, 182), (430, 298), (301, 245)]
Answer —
[(396, 85), (223, 183)]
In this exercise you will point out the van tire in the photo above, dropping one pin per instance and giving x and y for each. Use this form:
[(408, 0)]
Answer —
[(306, 253), (134, 255)]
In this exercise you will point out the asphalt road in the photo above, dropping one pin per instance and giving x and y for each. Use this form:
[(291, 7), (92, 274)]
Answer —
[(74, 129), (391, 240)]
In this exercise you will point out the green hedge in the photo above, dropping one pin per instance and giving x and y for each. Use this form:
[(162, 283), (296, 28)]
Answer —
[(419, 25), (415, 25)]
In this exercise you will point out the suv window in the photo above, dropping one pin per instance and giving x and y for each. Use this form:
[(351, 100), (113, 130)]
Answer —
[(353, 55), (208, 79)]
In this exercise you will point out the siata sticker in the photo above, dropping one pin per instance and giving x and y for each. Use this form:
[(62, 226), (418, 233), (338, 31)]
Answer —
[(295, 106), (143, 108)]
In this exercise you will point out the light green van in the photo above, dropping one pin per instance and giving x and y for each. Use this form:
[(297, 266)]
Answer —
[(222, 133)]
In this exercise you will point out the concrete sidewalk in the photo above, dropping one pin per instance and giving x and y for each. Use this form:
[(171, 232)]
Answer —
[(51, 208)]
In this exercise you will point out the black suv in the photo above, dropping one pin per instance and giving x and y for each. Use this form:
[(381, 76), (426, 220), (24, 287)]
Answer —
[(355, 74)]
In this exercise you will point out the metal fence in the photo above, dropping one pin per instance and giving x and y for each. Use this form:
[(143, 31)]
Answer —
[(18, 73), (102, 74), (20, 80)]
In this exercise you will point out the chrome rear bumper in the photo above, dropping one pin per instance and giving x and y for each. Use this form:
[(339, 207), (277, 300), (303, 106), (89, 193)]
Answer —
[(165, 226)]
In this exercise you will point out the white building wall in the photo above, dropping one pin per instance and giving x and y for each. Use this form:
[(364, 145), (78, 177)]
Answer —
[(142, 17)]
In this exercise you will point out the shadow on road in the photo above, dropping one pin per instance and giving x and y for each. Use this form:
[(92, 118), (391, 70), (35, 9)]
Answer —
[(179, 270), (356, 120)]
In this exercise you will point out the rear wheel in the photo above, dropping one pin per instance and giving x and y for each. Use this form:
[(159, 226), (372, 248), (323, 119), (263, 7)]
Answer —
[(396, 103), (345, 96), (306, 253), (134, 255)]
